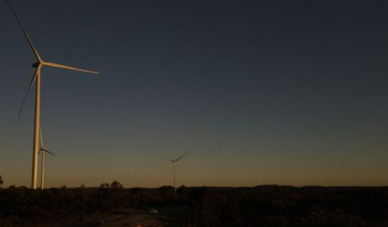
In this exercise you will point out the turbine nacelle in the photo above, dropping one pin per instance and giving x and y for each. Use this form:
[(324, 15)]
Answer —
[(35, 64), (44, 149)]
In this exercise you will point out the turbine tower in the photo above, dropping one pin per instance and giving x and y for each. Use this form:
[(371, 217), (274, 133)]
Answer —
[(174, 164), (43, 149), (37, 77)]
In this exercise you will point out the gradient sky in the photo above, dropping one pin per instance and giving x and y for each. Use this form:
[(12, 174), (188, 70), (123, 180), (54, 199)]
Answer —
[(259, 92)]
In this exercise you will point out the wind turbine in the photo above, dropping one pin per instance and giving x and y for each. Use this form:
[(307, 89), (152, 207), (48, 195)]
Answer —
[(328, 179), (174, 163), (43, 149), (358, 180), (36, 77), (329, 183)]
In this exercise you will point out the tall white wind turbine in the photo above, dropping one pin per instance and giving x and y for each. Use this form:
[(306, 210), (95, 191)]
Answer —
[(36, 77), (174, 164), (43, 149)]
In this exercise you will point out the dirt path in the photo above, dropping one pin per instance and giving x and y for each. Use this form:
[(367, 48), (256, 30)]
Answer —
[(135, 217), (140, 218)]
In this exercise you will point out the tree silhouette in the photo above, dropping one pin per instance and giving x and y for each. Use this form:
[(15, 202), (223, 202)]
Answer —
[(182, 192), (1, 180), (116, 184), (166, 192)]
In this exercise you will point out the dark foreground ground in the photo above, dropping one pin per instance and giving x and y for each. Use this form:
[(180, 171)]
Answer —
[(113, 205), (166, 216)]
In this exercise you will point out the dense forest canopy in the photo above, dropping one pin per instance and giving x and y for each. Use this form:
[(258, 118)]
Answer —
[(270, 205)]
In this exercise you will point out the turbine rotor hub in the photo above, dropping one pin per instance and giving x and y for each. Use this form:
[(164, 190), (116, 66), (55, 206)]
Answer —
[(35, 64)]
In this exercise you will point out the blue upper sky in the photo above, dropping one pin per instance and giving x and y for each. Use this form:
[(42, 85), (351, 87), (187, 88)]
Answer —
[(276, 92)]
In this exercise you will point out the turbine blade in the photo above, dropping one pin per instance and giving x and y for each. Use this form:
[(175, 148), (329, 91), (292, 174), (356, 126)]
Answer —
[(181, 156), (167, 158), (49, 152), (29, 88), (25, 33), (68, 67)]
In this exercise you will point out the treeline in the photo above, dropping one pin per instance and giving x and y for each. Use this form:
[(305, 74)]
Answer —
[(20, 206), (257, 206), (289, 206)]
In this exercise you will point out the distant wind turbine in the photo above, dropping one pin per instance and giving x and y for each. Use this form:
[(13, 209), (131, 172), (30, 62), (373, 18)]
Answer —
[(328, 180), (36, 77), (174, 163), (43, 149), (358, 180), (329, 183)]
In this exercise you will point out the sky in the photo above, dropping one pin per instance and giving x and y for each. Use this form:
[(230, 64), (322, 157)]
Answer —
[(258, 92)]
